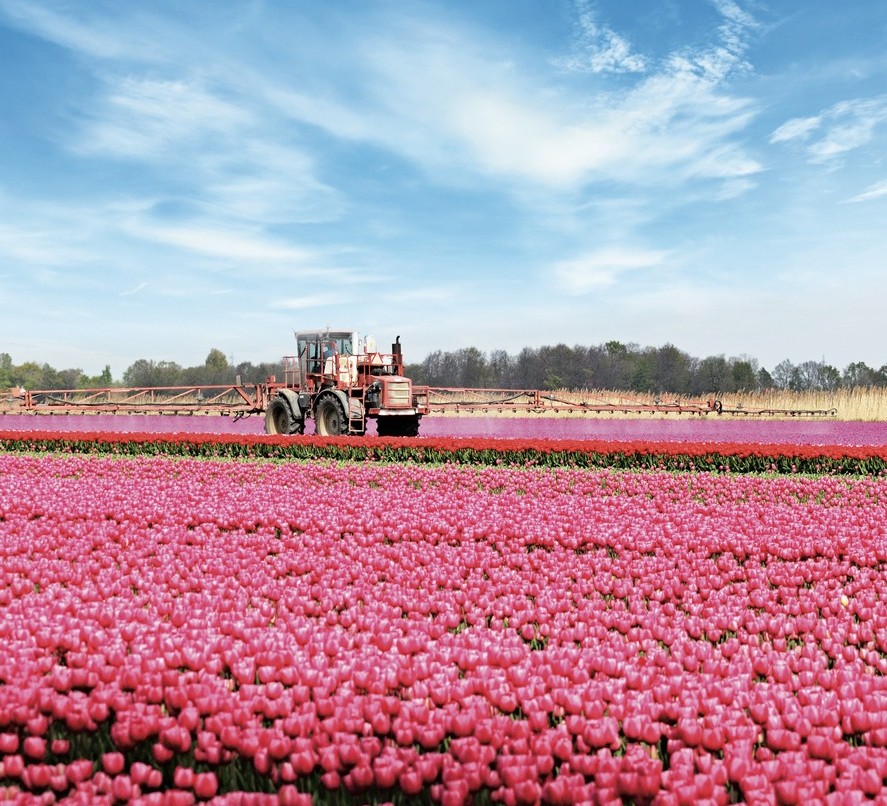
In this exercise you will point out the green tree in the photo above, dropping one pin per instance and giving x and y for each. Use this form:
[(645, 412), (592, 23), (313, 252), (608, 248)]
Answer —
[(6, 369), (216, 368), (744, 375), (859, 374), (102, 381), (30, 375), (712, 375)]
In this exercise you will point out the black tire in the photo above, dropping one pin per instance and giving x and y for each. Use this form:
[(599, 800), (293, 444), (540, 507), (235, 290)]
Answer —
[(397, 426), (279, 419), (330, 417)]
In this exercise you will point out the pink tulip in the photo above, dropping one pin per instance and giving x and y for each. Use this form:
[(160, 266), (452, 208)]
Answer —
[(205, 785)]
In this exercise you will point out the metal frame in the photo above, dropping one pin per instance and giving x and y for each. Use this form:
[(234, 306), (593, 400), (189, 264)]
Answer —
[(535, 401), (231, 399), (240, 400)]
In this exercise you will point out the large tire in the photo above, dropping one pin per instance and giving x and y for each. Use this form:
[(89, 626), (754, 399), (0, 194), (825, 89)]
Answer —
[(330, 417), (279, 419), (397, 426)]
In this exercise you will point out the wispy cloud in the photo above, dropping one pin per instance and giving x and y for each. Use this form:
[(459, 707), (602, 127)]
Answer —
[(132, 291), (49, 234), (434, 294), (145, 118), (213, 241), (843, 127), (674, 121), (598, 48), (602, 268), (445, 98), (872, 192), (98, 37), (308, 301)]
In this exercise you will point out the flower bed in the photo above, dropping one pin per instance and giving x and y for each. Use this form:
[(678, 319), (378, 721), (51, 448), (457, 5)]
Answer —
[(375, 632), (683, 428), (639, 455)]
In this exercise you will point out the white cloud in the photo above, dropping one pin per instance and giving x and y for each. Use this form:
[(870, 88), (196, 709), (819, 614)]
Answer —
[(447, 100), (147, 119), (796, 129), (267, 183), (520, 132), (843, 127), (99, 37), (602, 268), (427, 294), (875, 191), (213, 241), (140, 287), (309, 301), (598, 48)]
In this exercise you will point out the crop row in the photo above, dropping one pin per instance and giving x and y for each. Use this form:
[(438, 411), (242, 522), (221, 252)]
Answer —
[(382, 632), (637, 455)]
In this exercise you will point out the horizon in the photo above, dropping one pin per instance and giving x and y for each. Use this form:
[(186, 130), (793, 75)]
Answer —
[(707, 174)]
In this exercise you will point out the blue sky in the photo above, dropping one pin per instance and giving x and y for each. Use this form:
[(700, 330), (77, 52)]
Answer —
[(176, 177)]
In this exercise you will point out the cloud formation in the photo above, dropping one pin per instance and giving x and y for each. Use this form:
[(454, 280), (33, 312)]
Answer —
[(598, 48), (841, 128), (876, 191), (602, 268)]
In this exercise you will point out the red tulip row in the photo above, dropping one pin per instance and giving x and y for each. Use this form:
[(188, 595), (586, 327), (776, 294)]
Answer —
[(377, 632), (630, 455)]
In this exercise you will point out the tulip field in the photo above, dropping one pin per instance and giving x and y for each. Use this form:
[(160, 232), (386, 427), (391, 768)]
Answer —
[(192, 620)]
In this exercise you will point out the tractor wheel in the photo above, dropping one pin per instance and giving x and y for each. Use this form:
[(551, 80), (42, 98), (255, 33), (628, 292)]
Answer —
[(279, 419), (397, 426), (409, 427), (330, 417)]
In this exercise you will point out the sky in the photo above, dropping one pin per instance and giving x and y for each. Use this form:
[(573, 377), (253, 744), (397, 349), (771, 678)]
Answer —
[(181, 177)]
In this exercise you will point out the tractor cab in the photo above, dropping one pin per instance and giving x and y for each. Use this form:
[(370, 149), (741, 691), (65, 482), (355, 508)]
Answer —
[(327, 358)]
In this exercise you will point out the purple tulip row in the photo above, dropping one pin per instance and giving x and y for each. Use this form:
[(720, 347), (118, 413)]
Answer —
[(677, 429)]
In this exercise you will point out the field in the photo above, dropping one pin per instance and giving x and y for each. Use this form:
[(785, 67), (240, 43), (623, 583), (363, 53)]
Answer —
[(656, 429), (562, 624)]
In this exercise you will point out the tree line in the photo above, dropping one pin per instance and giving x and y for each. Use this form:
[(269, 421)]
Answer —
[(612, 365), (615, 365), (216, 370)]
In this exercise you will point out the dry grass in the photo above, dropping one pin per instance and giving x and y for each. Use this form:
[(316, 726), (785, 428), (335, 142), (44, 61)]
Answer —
[(868, 404)]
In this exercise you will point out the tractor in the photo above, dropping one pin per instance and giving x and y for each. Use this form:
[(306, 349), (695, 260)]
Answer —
[(342, 382)]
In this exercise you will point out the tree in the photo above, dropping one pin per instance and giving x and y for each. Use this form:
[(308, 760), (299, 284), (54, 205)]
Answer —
[(744, 374), (529, 370), (29, 375), (783, 374), (815, 375), (620, 366), (149, 373), (859, 374), (670, 370), (103, 380), (712, 375), (562, 367), (501, 369), (6, 370), (473, 372), (216, 369), (642, 378)]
